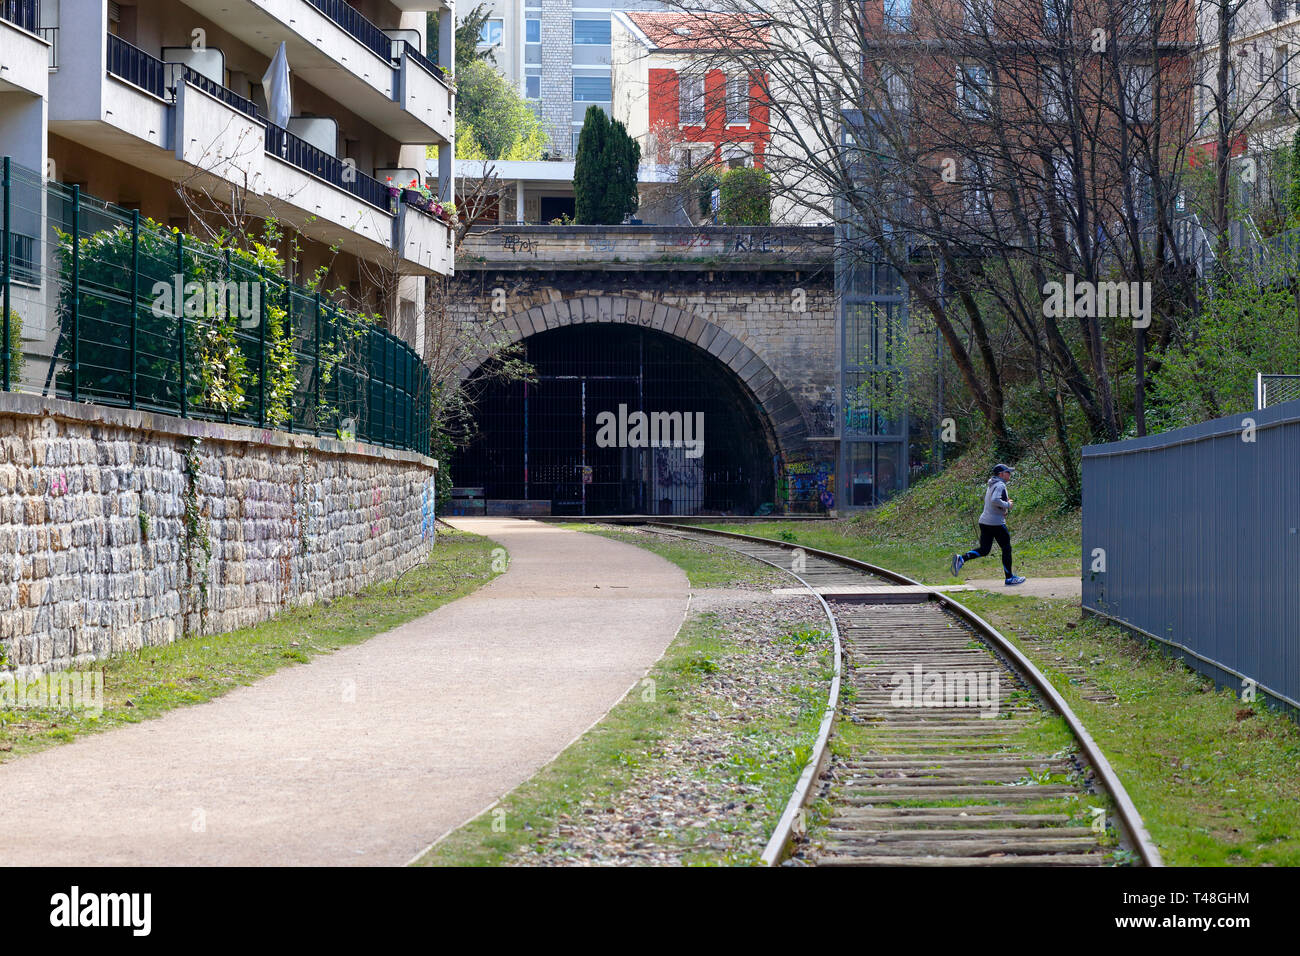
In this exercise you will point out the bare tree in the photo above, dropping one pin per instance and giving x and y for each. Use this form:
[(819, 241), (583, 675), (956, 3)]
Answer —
[(992, 150)]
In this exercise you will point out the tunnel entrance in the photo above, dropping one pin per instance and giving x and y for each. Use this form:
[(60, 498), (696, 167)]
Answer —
[(573, 443)]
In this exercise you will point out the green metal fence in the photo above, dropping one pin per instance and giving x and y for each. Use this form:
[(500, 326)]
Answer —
[(120, 311)]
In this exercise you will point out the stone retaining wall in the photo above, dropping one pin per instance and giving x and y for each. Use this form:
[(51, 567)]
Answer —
[(121, 529)]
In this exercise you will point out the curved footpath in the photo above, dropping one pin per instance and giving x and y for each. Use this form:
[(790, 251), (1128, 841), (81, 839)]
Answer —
[(450, 711)]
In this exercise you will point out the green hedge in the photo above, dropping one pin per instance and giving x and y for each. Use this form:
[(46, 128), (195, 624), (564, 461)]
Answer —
[(745, 197)]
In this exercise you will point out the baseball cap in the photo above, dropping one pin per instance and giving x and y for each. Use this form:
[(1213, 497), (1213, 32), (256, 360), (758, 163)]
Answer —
[(1001, 468)]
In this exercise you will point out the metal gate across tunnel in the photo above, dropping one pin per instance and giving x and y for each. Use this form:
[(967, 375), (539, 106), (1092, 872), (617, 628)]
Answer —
[(568, 443)]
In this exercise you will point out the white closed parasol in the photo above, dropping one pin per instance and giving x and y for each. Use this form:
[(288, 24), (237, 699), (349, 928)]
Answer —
[(275, 81)]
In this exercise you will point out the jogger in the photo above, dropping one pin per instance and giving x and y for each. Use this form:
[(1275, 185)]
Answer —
[(993, 526)]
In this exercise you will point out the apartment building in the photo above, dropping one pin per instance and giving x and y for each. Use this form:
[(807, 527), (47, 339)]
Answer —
[(676, 95), (558, 55), (1263, 69), (160, 106)]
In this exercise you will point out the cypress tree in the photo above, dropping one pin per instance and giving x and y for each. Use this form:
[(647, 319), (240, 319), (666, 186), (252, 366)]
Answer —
[(588, 171), (604, 172)]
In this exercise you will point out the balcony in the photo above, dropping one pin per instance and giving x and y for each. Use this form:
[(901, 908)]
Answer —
[(422, 238), (335, 49), (178, 124), (24, 55)]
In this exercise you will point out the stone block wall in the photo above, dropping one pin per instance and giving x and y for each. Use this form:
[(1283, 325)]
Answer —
[(777, 331), (124, 529)]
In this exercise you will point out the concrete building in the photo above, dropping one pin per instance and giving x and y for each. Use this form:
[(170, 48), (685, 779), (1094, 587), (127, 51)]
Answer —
[(558, 55), (159, 106)]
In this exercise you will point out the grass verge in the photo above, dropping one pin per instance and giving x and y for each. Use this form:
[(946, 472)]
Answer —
[(1215, 779), (706, 566), (139, 686)]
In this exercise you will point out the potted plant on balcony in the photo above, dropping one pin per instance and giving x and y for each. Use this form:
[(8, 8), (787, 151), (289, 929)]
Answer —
[(446, 211), (416, 194)]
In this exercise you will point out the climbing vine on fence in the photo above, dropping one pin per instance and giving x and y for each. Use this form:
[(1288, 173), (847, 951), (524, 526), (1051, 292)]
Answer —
[(210, 327)]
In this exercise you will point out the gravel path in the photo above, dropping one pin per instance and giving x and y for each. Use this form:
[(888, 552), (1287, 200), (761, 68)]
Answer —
[(367, 755)]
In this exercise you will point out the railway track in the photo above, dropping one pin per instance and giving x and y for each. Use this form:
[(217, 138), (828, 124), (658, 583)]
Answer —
[(951, 748)]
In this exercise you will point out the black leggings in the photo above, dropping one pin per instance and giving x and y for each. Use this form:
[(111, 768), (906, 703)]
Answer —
[(988, 534)]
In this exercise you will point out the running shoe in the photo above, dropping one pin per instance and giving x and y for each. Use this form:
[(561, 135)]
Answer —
[(957, 561), (1014, 580)]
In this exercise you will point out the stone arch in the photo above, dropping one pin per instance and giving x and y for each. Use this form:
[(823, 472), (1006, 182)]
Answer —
[(779, 410)]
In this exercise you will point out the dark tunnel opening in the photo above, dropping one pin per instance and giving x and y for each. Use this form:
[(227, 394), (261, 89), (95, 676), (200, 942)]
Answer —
[(569, 443)]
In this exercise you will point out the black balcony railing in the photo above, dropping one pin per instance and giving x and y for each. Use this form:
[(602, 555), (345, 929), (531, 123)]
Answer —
[(227, 96), (141, 69), (298, 152), (404, 46), (21, 13), (351, 20), (51, 36)]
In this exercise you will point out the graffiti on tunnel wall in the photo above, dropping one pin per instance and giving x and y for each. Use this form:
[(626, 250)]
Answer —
[(805, 485)]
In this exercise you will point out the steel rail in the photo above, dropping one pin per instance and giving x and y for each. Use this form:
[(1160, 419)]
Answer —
[(1129, 818)]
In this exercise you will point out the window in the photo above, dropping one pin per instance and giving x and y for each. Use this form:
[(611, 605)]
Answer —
[(974, 96), (738, 99), (1144, 206), (22, 253), (977, 17), (592, 89), (591, 32), (532, 30), (897, 96), (737, 155), (690, 93), (1053, 97), (533, 86), (1282, 81), (898, 15), (692, 156), (976, 192), (490, 34), (1137, 92), (576, 134), (1055, 12), (1136, 17)]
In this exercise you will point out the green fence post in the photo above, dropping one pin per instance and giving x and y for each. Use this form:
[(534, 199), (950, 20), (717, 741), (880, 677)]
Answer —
[(76, 293), (229, 278), (315, 416), (180, 320), (4, 382), (261, 351), (289, 334), (135, 301)]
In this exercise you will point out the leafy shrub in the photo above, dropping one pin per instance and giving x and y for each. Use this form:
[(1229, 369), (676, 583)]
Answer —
[(745, 197)]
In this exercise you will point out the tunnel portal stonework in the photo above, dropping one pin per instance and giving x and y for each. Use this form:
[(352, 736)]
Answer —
[(760, 300)]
